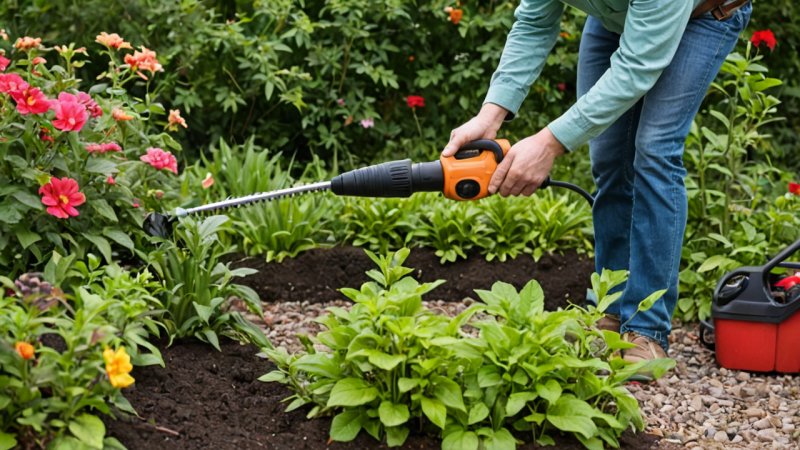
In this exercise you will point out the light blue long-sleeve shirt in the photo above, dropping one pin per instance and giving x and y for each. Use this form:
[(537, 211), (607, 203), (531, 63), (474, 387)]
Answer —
[(650, 33)]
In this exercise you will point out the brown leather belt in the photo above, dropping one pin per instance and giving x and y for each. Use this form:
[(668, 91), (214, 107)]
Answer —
[(718, 8)]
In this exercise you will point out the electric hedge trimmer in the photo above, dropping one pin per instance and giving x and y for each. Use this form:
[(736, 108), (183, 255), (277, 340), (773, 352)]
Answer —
[(463, 176)]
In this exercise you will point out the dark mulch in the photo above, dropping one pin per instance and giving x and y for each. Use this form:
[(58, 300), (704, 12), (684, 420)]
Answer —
[(316, 275), (206, 399)]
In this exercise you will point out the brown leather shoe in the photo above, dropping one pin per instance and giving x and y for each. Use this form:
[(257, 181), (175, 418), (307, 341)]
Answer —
[(645, 350), (608, 322)]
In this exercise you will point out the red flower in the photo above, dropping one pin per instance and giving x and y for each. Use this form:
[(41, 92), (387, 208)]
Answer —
[(4, 62), (765, 36), (11, 83), (70, 114), (61, 196), (31, 101), (160, 159), (562, 87), (110, 180), (44, 135), (415, 101), (794, 188)]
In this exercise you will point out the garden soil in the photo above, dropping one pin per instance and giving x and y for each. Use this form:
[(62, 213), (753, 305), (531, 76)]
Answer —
[(205, 399)]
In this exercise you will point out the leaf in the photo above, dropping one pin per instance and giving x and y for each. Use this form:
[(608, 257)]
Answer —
[(575, 424), (518, 400), (351, 392), (275, 375), (500, 440), (435, 411), (7, 441), (203, 311), (550, 390), (119, 237), (393, 414), (104, 209), (102, 245), (713, 262), (651, 299), (27, 237), (407, 384), (101, 166), (460, 440), (489, 376), (89, 429), (384, 360), (477, 413), (396, 436), (449, 392), (28, 199), (346, 425)]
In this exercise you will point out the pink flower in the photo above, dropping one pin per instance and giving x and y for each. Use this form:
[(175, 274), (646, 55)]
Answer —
[(112, 40), (70, 114), (31, 101), (44, 135), (61, 196), (26, 43), (367, 123), (11, 83), (160, 159), (340, 101), (135, 203), (120, 115), (86, 100), (103, 148), (208, 181), (38, 60), (111, 181), (4, 62)]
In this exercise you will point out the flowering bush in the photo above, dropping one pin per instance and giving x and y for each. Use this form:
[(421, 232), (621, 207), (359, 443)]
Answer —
[(79, 164), (63, 359)]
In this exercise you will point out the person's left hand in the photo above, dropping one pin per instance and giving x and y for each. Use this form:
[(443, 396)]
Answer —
[(526, 165)]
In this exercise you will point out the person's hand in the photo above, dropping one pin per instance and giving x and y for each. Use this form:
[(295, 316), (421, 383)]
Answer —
[(482, 126), (526, 165)]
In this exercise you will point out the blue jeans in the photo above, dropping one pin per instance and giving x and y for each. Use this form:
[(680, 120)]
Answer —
[(637, 164)]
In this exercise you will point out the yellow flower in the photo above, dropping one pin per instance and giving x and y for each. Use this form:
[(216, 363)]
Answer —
[(118, 367)]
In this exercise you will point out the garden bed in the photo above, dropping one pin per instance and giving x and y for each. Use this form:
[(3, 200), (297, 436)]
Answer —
[(209, 399)]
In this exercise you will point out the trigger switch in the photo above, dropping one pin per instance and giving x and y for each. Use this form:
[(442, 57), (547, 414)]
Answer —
[(468, 188)]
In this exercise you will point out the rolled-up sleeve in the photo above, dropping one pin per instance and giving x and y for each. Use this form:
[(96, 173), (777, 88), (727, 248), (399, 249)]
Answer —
[(652, 33), (530, 40)]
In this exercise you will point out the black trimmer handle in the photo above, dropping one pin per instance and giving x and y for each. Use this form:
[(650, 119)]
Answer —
[(391, 179)]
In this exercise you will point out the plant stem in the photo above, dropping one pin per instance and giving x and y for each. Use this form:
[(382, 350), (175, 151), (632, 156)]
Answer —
[(416, 120)]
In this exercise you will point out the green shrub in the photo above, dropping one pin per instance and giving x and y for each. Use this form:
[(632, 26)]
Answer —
[(390, 363)]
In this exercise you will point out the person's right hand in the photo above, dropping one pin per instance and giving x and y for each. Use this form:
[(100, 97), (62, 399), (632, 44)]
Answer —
[(482, 126)]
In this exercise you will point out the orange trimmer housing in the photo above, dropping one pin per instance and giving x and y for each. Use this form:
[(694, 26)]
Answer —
[(468, 172)]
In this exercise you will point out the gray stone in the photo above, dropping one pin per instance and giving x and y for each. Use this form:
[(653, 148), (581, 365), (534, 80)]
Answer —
[(721, 436)]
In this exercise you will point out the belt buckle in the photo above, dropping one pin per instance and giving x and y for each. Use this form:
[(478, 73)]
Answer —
[(720, 14)]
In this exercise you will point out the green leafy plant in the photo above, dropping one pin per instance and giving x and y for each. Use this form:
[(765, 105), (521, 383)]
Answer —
[(391, 364), (451, 228), (197, 285), (508, 227), (53, 382), (732, 219), (380, 225), (560, 222)]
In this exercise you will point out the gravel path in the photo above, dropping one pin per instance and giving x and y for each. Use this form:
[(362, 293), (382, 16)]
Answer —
[(698, 405)]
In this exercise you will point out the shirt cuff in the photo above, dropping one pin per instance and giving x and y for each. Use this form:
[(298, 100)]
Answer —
[(571, 129), (507, 97)]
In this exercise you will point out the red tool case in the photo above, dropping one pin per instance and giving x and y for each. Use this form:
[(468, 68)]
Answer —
[(756, 325)]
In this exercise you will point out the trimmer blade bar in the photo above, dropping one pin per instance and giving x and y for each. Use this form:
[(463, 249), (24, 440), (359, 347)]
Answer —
[(254, 198)]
